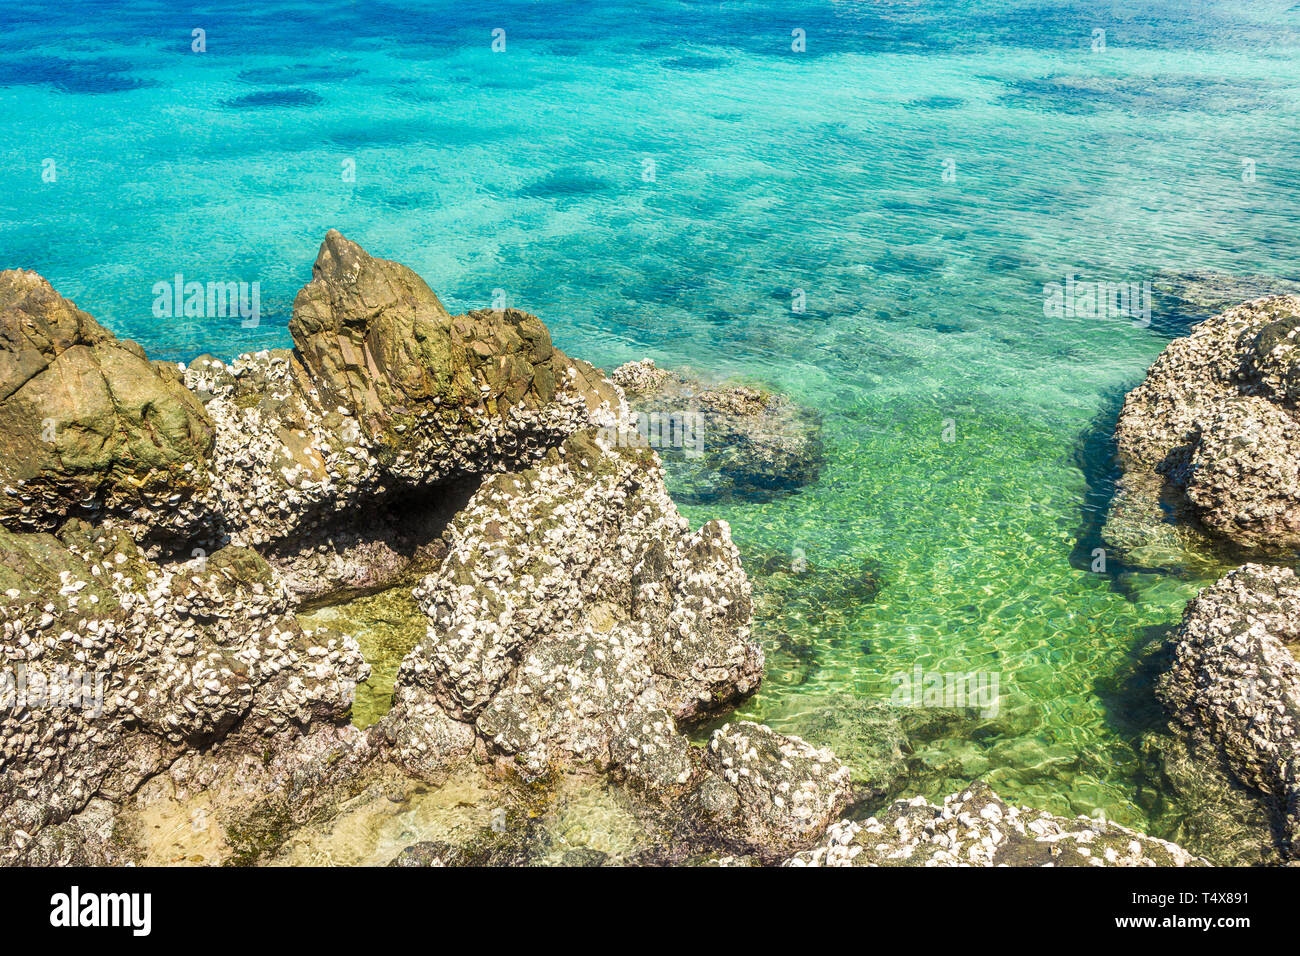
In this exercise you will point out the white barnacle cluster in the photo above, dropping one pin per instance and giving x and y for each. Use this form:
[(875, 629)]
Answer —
[(560, 612), (182, 657), (975, 827), (790, 791), (1235, 675), (278, 462), (1220, 404), (283, 465)]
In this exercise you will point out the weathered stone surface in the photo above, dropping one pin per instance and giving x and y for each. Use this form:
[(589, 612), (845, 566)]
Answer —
[(573, 594), (164, 662), (977, 828), (386, 399), (723, 441), (1234, 677), (787, 791), (1209, 443), (88, 426)]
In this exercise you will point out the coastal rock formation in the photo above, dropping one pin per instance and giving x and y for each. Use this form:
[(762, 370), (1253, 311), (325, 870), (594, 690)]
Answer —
[(386, 399), (568, 596), (1210, 442), (574, 594), (725, 441), (152, 565), (88, 425), (977, 828), (116, 667), (1234, 676)]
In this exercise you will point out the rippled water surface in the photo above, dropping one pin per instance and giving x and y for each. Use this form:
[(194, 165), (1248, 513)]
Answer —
[(657, 179)]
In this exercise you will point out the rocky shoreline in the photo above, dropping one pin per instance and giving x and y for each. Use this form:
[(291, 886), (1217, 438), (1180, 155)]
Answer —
[(162, 527), (1209, 447)]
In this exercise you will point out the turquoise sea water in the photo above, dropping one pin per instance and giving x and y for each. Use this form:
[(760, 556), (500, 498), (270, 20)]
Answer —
[(525, 171)]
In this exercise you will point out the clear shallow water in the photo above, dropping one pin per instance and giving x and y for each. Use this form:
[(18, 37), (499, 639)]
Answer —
[(774, 171)]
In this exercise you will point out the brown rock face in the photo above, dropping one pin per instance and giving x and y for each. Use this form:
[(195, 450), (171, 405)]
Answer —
[(88, 425), (376, 339)]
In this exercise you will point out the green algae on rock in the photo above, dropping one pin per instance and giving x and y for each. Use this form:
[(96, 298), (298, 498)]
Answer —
[(88, 425), (386, 626)]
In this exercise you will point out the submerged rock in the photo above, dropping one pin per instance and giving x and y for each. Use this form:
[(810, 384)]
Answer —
[(1209, 444), (1234, 677), (1195, 800), (722, 441), (1185, 298), (977, 828)]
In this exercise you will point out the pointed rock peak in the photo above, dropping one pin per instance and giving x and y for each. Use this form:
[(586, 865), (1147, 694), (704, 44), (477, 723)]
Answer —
[(339, 257), (34, 315), (351, 288)]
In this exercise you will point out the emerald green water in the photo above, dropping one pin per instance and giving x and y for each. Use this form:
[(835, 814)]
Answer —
[(774, 170)]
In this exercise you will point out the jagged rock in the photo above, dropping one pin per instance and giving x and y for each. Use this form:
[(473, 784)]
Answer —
[(1234, 676), (150, 663), (389, 400), (88, 426), (1210, 442), (977, 828), (575, 622), (573, 595), (377, 340), (724, 441), (386, 400)]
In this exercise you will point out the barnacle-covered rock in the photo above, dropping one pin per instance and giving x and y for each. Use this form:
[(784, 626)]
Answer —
[(977, 828), (1209, 443), (574, 596), (1235, 678), (115, 667), (787, 791)]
